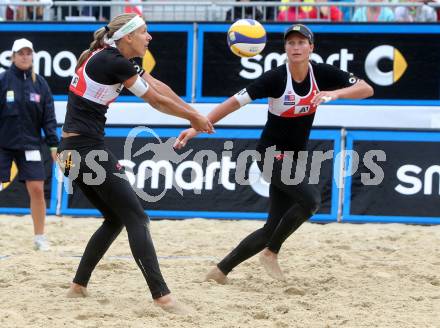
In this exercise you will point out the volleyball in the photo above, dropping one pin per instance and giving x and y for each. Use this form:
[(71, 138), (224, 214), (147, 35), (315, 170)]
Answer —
[(246, 38)]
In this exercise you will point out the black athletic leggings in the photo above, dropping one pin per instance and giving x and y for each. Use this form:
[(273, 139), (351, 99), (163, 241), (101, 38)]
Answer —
[(290, 206), (119, 205)]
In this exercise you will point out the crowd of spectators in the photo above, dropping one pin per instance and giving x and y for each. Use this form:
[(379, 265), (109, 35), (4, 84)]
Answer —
[(49, 10), (336, 13), (305, 10)]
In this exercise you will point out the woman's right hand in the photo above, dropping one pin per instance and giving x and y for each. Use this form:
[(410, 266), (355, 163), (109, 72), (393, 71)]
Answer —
[(184, 137), (201, 123)]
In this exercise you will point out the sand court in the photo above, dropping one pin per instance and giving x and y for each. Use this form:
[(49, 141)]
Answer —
[(338, 275)]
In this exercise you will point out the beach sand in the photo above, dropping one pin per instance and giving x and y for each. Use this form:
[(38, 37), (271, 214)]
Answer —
[(338, 275)]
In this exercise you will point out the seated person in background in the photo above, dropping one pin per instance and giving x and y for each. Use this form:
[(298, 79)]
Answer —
[(422, 13), (328, 13), (346, 11), (292, 14), (331, 13), (23, 13), (373, 14), (243, 12)]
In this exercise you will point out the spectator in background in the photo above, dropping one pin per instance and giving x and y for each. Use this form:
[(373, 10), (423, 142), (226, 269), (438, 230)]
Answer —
[(330, 13), (327, 13), (238, 12), (33, 12), (346, 11), (29, 12), (295, 11), (292, 14), (373, 13), (3, 9), (422, 13), (26, 107), (282, 8)]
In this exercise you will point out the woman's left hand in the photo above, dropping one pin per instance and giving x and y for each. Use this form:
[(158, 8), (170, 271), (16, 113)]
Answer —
[(201, 123), (184, 137), (324, 96)]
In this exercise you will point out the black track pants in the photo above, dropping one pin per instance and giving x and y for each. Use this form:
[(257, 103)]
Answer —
[(116, 200)]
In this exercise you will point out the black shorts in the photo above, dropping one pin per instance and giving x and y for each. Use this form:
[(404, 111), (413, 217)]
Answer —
[(27, 170)]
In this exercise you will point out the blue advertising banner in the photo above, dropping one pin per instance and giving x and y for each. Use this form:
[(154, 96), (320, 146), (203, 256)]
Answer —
[(57, 47), (403, 185), (398, 60), (195, 186)]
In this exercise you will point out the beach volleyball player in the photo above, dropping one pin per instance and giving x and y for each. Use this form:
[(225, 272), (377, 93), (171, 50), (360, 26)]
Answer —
[(295, 90), (102, 71)]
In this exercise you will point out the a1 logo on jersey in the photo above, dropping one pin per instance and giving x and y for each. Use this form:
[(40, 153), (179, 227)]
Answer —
[(289, 99), (302, 109)]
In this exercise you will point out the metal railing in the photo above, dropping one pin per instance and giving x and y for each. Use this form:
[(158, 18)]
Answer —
[(178, 10)]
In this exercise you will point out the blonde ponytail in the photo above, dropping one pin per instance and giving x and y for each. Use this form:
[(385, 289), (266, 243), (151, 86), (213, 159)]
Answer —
[(97, 43)]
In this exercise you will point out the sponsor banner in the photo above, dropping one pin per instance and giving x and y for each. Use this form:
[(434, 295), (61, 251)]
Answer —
[(14, 198), (215, 176), (57, 47), (252, 115), (397, 179), (399, 61)]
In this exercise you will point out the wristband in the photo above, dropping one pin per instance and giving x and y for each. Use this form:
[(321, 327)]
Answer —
[(139, 87), (243, 97)]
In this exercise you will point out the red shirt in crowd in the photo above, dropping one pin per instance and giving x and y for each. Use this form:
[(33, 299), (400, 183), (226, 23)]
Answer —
[(293, 14)]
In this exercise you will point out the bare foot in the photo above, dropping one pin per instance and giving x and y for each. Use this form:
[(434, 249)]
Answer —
[(169, 304), (216, 275), (269, 260), (76, 291)]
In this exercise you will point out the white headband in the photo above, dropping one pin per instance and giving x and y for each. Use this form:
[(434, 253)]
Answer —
[(127, 28)]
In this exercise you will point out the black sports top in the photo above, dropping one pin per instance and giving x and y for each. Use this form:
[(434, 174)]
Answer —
[(291, 112), (96, 84)]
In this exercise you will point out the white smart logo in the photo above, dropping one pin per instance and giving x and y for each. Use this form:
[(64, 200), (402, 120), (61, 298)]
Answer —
[(372, 65), (415, 180), (51, 65)]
